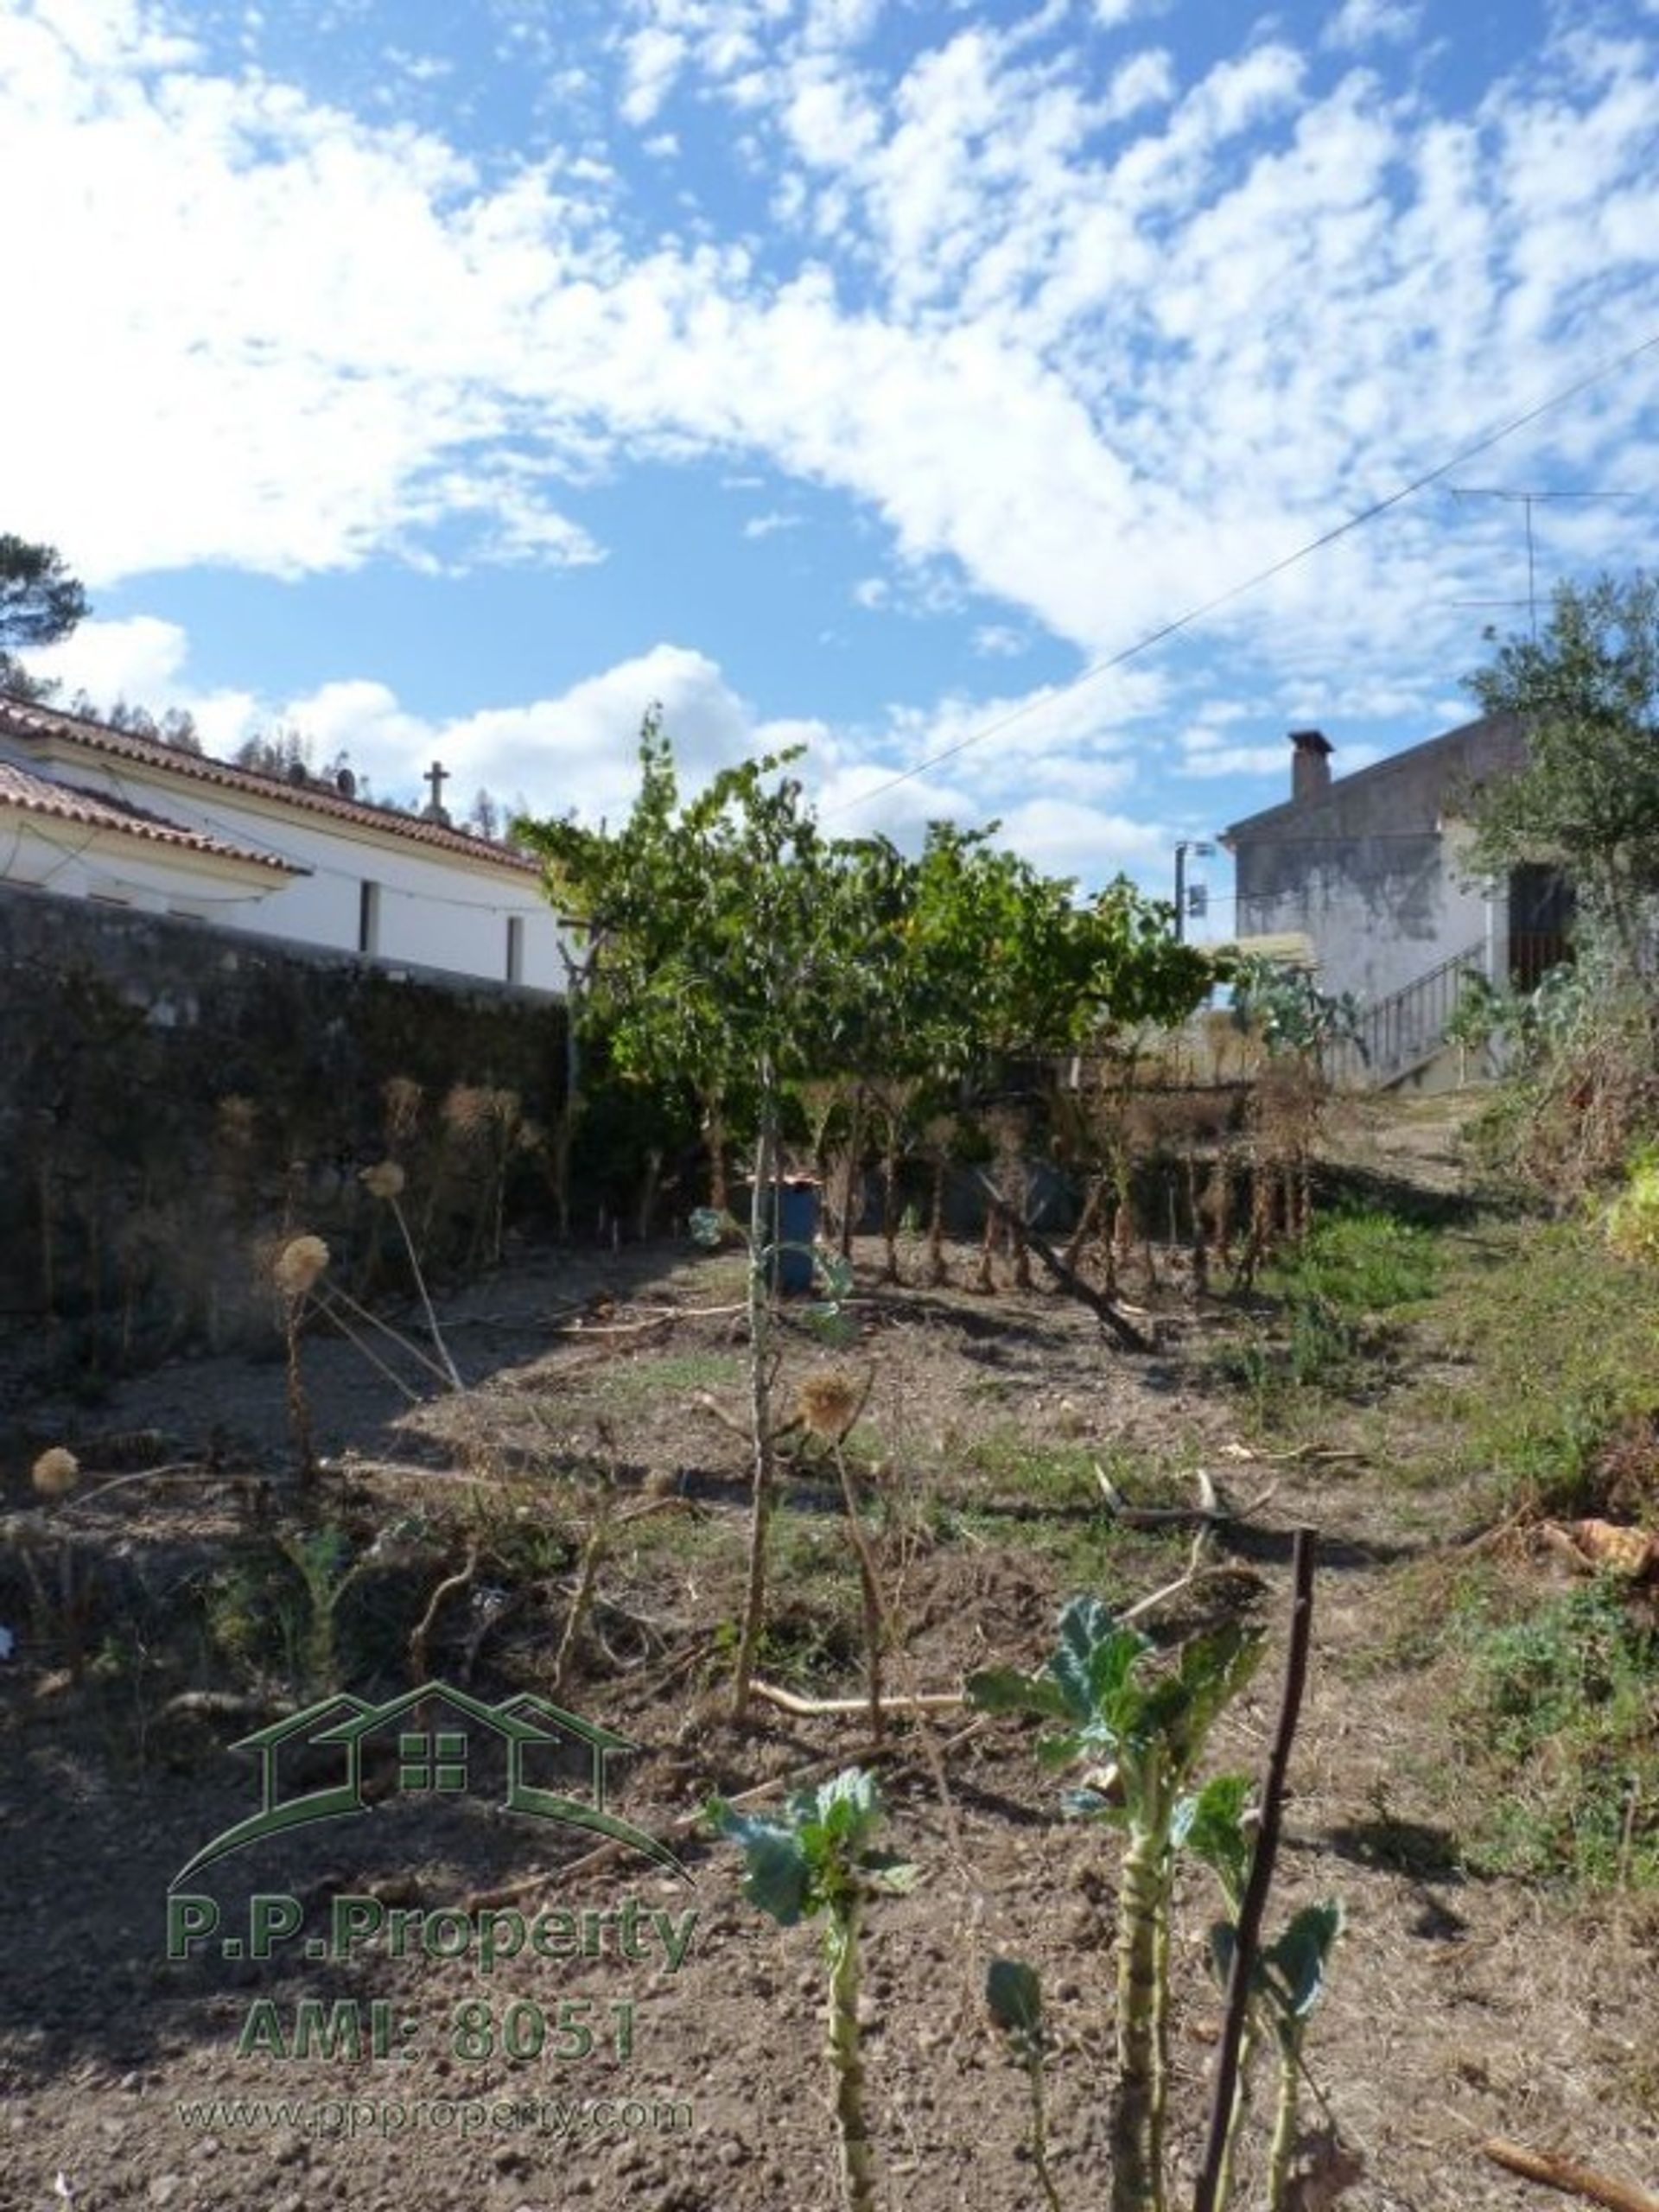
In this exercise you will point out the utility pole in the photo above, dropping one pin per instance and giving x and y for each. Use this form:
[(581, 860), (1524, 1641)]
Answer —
[(1528, 500)]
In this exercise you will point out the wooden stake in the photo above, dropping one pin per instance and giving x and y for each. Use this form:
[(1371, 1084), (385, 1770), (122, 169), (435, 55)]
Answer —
[(1246, 1940)]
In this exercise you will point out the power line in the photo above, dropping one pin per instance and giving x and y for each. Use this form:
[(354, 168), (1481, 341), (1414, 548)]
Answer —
[(1168, 630)]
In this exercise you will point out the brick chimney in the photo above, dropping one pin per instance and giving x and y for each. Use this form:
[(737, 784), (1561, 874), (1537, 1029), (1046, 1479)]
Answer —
[(1310, 765)]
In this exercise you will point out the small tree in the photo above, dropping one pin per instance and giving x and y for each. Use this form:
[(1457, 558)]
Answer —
[(733, 947), (1586, 695), (725, 945), (40, 603)]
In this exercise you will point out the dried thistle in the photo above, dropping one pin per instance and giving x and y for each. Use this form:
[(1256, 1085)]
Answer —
[(299, 1265), (236, 1116), (55, 1473), (402, 1097), (467, 1110), (829, 1401), (385, 1179)]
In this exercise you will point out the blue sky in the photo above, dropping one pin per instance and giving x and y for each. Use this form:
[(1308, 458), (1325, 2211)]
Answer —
[(860, 372)]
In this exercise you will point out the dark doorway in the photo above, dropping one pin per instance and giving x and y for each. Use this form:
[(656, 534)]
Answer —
[(1541, 909)]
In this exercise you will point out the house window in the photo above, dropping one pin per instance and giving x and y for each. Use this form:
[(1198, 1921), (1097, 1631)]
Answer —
[(515, 948), (436, 1762), (368, 918)]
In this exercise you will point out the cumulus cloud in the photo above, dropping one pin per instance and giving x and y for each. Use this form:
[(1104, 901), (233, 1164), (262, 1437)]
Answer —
[(1090, 333), (1045, 778), (1366, 22)]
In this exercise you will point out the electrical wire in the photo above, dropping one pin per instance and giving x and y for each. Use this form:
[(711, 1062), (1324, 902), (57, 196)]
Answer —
[(1171, 629)]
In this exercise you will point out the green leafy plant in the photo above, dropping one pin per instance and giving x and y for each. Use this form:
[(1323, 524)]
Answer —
[(1289, 1978), (818, 1862), (1139, 1727), (1013, 1991)]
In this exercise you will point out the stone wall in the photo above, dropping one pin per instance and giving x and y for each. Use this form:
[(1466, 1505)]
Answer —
[(173, 1096)]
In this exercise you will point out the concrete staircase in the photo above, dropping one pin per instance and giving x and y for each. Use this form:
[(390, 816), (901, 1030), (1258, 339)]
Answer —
[(1401, 1038)]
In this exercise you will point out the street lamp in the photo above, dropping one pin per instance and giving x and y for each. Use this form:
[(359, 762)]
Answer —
[(1201, 849)]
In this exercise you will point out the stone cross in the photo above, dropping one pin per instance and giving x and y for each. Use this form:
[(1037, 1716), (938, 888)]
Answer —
[(437, 776)]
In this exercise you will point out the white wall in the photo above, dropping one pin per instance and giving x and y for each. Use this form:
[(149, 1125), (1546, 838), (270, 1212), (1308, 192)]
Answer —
[(435, 908)]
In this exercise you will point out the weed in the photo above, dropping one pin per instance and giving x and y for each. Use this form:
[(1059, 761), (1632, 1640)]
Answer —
[(1047, 1474), (1557, 1707), (1564, 1348), (1365, 1262), (1333, 1291)]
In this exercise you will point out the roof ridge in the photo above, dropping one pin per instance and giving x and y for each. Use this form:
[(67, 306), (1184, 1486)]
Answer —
[(36, 794), (311, 797)]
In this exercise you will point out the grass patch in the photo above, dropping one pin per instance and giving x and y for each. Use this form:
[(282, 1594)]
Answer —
[(1554, 1721), (667, 1375), (1015, 1466), (1362, 1263), (1562, 1346), (1339, 1298)]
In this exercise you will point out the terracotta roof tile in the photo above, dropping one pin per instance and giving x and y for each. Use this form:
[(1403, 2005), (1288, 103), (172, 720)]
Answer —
[(97, 811), (28, 719)]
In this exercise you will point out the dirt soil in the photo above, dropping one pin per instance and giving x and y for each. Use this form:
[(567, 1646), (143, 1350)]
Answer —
[(1460, 2007)]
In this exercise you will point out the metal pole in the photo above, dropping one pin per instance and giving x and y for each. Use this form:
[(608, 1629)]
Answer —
[(1180, 894)]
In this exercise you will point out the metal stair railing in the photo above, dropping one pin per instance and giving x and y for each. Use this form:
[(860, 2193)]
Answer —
[(1407, 1028)]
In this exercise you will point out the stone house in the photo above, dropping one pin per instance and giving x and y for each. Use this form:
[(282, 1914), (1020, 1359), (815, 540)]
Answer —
[(93, 813), (1372, 870)]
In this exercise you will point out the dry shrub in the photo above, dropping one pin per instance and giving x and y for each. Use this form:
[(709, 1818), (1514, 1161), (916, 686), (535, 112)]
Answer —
[(473, 1113), (1625, 1481)]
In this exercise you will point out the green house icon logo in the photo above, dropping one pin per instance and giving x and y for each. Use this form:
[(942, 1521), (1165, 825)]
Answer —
[(434, 1757)]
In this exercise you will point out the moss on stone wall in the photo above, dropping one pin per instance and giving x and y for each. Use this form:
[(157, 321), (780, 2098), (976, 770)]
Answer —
[(172, 1095)]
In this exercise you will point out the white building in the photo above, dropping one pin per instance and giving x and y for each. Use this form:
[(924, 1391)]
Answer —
[(90, 812)]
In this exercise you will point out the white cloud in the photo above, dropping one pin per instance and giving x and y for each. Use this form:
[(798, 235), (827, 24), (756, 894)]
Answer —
[(999, 641), (768, 525), (1146, 79), (1368, 22), (1239, 761), (1045, 776), (138, 659), (1084, 841), (1097, 336)]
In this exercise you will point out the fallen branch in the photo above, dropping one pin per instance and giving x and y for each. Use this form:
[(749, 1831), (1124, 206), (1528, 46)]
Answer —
[(704, 1403), (1198, 1570), (816, 1707), (180, 1470), (613, 1328), (1315, 1452), (1573, 2180), (423, 1627), (1209, 1511), (1110, 1318)]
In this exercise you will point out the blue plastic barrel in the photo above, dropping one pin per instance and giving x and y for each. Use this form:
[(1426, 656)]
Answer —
[(797, 1227)]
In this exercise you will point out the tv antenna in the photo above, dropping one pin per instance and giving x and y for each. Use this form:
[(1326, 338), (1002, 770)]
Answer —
[(1528, 500)]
